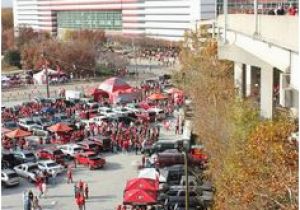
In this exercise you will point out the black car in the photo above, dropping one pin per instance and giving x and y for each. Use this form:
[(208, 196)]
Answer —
[(12, 125), (8, 160)]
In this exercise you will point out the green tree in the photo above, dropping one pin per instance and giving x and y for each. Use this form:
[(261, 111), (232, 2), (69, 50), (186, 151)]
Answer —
[(12, 58)]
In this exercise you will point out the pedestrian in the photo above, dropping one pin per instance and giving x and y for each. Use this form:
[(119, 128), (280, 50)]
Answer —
[(35, 204), (86, 190), (76, 191), (80, 185), (54, 174), (177, 126), (78, 202), (44, 188), (182, 126), (69, 175)]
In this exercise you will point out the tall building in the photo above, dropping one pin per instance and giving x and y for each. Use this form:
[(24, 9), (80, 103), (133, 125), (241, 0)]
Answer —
[(154, 18)]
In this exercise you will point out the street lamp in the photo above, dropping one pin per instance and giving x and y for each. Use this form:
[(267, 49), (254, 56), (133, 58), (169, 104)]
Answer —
[(187, 199), (46, 70)]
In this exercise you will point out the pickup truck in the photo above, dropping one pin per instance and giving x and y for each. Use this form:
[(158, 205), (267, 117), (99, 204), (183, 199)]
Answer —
[(28, 170), (26, 124)]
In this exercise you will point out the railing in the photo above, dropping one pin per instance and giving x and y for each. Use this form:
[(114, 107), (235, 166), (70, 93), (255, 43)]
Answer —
[(281, 31)]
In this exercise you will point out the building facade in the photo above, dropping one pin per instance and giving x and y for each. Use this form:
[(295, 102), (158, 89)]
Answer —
[(167, 19)]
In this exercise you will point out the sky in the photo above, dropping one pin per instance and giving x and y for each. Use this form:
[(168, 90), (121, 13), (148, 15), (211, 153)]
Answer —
[(6, 3)]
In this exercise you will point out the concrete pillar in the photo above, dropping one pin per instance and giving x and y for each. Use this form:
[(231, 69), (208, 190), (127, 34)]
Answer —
[(283, 83), (248, 80), (238, 78), (266, 92)]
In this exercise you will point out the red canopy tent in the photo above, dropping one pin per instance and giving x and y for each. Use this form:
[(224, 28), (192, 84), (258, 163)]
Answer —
[(96, 93), (141, 184), (5, 130), (18, 133), (60, 127), (157, 96), (139, 197), (114, 84)]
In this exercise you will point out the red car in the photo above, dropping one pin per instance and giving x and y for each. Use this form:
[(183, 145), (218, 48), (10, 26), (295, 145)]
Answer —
[(51, 154), (90, 159), (90, 146)]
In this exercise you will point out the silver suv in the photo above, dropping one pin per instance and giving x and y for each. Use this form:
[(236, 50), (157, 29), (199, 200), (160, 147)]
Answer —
[(9, 178)]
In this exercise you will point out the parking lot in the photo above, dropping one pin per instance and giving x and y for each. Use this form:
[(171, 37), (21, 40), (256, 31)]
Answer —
[(106, 186)]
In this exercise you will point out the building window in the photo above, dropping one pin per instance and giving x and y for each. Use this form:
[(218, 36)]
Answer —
[(111, 20)]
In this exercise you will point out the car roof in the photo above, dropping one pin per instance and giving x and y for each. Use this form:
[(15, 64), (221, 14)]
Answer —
[(86, 142), (29, 164), (89, 153), (24, 152), (47, 161), (8, 171)]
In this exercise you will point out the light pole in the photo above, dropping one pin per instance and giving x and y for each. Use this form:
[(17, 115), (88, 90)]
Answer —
[(46, 71), (187, 199)]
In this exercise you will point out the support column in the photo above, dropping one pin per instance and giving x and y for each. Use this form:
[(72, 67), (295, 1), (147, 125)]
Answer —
[(238, 78), (248, 80), (283, 83), (266, 92)]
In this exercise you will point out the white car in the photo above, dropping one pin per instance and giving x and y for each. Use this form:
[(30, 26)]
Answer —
[(160, 114), (51, 167), (9, 178), (70, 150), (27, 123), (106, 111), (28, 170), (122, 111)]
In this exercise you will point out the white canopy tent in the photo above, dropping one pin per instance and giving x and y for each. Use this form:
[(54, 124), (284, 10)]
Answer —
[(40, 77), (151, 173)]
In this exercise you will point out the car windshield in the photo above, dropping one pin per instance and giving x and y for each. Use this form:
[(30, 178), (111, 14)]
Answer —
[(58, 152), (77, 149), (10, 124), (43, 120), (49, 165), (63, 117), (29, 155), (32, 168), (29, 122), (12, 175), (93, 145), (93, 156)]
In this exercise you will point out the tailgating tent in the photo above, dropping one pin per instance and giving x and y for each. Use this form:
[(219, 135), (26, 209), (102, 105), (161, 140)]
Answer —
[(157, 96), (114, 84), (174, 90), (139, 197), (142, 184), (59, 127), (151, 173), (96, 93), (18, 133), (125, 96), (40, 77)]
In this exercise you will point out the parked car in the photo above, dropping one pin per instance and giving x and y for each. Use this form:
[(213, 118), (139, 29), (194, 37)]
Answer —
[(12, 125), (43, 122), (159, 113), (26, 124), (163, 145), (89, 146), (104, 142), (169, 159), (106, 111), (50, 153), (25, 156), (38, 130), (9, 178), (63, 118), (91, 159), (51, 167), (70, 150), (8, 160), (175, 197), (28, 170)]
